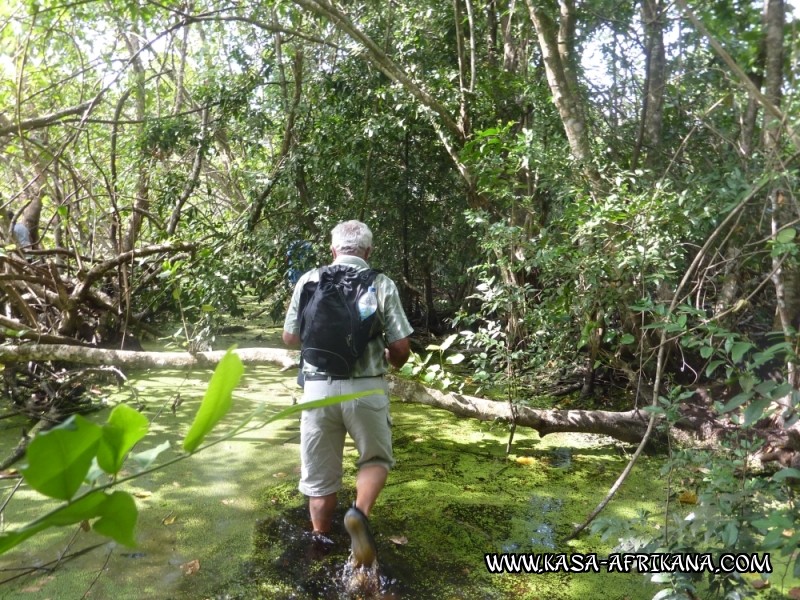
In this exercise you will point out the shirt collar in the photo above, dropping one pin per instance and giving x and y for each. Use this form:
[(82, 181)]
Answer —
[(355, 261)]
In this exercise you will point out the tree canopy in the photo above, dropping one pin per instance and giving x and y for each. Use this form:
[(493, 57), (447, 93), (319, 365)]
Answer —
[(592, 189)]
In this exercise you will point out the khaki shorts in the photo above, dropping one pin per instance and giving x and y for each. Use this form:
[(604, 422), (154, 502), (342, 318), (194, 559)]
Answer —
[(322, 432)]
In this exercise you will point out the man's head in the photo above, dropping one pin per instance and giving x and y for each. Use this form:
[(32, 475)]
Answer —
[(351, 238)]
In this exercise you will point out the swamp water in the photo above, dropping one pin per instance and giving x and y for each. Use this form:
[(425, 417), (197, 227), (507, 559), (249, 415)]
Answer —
[(229, 523)]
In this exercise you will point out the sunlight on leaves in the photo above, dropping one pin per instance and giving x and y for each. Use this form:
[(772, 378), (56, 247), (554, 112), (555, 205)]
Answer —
[(217, 401), (125, 427), (59, 459)]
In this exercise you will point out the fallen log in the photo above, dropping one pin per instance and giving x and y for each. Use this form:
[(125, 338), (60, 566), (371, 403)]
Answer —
[(628, 426), (134, 359)]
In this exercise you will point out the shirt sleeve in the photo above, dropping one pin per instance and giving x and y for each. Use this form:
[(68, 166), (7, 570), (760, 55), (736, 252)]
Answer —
[(291, 323), (395, 323)]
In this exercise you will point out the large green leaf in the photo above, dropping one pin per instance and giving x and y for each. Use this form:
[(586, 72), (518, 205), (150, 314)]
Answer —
[(124, 428), (59, 459), (118, 516), (86, 507), (217, 401), (736, 401), (296, 408), (786, 473), (739, 349), (755, 411), (9, 539), (786, 235), (82, 509)]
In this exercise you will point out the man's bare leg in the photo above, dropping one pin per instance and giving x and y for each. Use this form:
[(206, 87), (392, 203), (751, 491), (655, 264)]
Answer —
[(369, 483), (321, 509)]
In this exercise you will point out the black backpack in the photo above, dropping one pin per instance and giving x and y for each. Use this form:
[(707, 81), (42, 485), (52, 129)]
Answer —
[(332, 334)]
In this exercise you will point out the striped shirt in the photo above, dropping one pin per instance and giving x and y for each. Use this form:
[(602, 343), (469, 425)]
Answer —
[(390, 312)]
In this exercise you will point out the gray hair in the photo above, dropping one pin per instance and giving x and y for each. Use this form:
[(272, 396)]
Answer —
[(352, 238)]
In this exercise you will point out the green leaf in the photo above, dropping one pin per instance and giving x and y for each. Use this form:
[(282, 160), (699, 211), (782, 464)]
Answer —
[(712, 366), (448, 342), (738, 350), (456, 359), (782, 390), (295, 408), (217, 401), (706, 351), (755, 411), (730, 534), (94, 474), (786, 474), (627, 339), (9, 539), (144, 459), (59, 459), (765, 387), (125, 427), (118, 516), (786, 235), (736, 401), (82, 509)]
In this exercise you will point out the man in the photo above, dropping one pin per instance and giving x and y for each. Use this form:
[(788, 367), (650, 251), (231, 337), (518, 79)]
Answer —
[(19, 230), (366, 419)]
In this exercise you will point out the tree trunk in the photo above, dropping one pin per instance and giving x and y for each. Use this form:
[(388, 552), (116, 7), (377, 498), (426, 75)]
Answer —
[(141, 205), (655, 80), (785, 276), (558, 62)]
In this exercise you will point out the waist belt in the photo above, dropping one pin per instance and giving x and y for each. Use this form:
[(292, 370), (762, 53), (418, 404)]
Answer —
[(325, 377)]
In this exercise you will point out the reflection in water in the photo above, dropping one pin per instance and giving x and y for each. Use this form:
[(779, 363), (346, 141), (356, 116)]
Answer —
[(537, 531), (561, 458)]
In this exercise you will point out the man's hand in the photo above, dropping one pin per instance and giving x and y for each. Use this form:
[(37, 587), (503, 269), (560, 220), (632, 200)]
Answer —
[(290, 339), (397, 353)]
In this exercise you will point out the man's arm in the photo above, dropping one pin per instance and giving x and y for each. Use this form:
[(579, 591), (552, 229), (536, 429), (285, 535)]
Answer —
[(291, 324), (397, 352)]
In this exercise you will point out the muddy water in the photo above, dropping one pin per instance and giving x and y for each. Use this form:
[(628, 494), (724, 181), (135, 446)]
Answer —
[(230, 524)]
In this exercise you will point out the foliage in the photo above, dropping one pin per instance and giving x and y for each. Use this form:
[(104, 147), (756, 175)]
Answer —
[(435, 373), (720, 501), (220, 134), (217, 401), (78, 452)]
